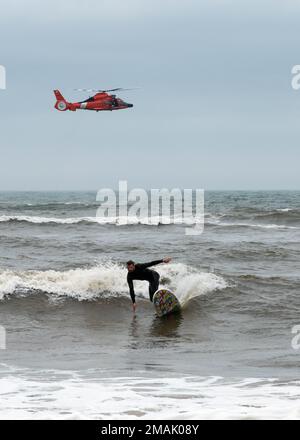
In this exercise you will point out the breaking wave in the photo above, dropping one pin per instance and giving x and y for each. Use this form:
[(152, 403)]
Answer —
[(69, 395), (147, 221), (107, 280), (248, 225), (151, 221)]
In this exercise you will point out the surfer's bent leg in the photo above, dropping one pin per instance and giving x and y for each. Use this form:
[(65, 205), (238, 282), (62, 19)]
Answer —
[(154, 284)]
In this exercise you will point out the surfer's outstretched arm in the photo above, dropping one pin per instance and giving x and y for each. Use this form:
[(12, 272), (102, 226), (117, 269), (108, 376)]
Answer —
[(155, 262), (131, 288)]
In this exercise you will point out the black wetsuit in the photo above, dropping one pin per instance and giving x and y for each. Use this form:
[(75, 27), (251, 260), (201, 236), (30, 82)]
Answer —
[(141, 272)]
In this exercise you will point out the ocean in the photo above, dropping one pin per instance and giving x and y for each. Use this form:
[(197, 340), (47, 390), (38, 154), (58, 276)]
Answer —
[(74, 349)]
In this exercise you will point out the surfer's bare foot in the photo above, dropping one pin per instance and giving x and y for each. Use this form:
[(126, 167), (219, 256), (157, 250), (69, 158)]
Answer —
[(134, 307), (167, 260)]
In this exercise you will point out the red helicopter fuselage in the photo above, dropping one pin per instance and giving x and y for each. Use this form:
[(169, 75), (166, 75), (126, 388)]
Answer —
[(100, 102)]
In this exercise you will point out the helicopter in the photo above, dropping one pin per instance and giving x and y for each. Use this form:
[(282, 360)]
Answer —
[(101, 101)]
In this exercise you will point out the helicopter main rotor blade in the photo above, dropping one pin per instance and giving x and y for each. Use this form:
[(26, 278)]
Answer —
[(108, 90)]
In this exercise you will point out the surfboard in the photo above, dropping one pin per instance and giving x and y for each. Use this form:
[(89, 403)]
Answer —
[(165, 302)]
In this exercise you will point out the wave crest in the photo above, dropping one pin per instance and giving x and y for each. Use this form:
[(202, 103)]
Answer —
[(107, 280), (119, 221)]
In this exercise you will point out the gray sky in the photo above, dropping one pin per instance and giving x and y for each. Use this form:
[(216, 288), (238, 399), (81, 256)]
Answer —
[(216, 109)]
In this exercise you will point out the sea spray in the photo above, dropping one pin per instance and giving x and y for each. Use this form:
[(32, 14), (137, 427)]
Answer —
[(108, 280)]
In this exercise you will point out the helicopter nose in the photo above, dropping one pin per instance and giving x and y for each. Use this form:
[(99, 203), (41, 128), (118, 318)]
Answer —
[(129, 105)]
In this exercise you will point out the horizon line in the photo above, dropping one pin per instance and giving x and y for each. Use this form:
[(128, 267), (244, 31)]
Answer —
[(148, 189)]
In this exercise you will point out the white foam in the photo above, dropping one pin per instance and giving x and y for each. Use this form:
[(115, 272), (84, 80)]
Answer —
[(182, 397), (250, 225), (108, 279), (119, 220), (187, 282), (147, 221)]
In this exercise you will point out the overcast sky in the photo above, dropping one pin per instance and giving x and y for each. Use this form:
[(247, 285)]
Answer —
[(215, 110)]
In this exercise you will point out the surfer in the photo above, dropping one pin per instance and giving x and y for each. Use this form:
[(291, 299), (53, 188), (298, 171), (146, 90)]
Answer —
[(141, 272)]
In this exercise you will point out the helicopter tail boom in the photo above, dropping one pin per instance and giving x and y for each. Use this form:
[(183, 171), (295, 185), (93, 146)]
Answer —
[(61, 104)]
